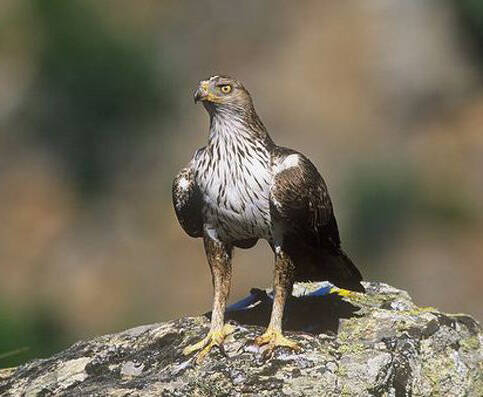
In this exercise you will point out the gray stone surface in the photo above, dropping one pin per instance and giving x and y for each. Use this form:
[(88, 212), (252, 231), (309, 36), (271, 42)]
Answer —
[(382, 344)]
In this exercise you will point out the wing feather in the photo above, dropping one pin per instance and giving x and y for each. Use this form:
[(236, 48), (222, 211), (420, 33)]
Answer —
[(300, 200), (188, 201), (302, 211)]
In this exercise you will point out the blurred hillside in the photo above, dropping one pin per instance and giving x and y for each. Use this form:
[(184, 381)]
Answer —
[(96, 117)]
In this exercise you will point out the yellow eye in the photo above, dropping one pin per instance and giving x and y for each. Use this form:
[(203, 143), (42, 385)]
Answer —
[(226, 89)]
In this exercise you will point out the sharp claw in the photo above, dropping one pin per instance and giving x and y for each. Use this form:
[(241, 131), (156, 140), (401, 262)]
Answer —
[(203, 353), (273, 339), (222, 350), (197, 346), (214, 338), (267, 353)]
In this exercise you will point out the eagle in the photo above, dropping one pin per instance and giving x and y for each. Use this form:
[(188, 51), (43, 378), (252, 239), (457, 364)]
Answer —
[(242, 187)]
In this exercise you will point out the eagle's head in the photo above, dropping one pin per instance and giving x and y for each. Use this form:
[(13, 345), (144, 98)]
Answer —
[(222, 93)]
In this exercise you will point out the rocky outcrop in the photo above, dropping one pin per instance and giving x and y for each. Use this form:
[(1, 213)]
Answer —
[(374, 344)]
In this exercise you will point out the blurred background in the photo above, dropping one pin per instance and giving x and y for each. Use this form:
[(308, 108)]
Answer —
[(97, 116)]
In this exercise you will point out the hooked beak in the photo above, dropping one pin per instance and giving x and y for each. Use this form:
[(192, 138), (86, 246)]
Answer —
[(201, 93)]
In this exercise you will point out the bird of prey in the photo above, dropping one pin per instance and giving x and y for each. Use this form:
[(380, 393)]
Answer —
[(242, 187)]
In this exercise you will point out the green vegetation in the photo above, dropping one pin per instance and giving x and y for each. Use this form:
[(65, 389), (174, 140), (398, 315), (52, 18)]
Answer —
[(384, 200), (33, 332), (95, 91), (471, 16), (380, 199)]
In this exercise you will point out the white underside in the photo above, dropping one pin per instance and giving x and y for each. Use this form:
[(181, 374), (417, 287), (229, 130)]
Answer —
[(236, 188), (229, 219), (240, 210)]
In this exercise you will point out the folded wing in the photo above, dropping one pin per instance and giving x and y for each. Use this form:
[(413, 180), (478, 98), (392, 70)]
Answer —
[(187, 202), (303, 218)]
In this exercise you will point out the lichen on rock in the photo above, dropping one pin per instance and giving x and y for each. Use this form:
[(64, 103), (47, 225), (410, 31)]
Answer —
[(374, 344)]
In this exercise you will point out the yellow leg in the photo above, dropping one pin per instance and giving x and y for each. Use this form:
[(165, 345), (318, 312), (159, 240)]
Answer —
[(272, 339), (219, 259), (275, 338), (214, 338), (282, 287)]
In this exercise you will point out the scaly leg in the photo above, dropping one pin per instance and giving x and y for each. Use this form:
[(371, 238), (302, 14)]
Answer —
[(219, 259), (282, 288)]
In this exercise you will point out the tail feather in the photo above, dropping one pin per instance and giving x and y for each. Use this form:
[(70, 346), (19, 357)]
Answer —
[(335, 267), (343, 273)]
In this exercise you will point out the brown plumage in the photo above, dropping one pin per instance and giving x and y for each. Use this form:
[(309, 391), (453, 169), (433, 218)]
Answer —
[(242, 187)]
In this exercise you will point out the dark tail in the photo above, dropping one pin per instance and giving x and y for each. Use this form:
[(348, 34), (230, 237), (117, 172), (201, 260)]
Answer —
[(342, 272), (313, 263)]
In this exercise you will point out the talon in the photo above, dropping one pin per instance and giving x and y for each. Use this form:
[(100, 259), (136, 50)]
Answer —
[(268, 353), (214, 338), (274, 339), (197, 346)]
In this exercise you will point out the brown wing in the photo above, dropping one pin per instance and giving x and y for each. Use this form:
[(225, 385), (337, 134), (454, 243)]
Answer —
[(187, 201), (302, 214)]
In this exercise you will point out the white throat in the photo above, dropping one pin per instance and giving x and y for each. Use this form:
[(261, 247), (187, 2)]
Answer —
[(235, 180)]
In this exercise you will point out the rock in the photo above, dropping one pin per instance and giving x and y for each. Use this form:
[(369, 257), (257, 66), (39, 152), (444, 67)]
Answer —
[(374, 344)]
